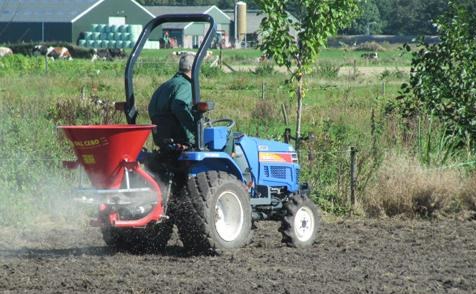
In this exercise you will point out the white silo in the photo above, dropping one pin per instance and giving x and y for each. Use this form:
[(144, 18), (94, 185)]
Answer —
[(240, 24)]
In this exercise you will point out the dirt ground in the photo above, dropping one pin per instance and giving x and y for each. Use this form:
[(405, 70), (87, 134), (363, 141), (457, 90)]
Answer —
[(353, 256)]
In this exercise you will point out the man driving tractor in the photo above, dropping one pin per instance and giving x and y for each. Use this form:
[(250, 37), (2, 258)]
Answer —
[(170, 108)]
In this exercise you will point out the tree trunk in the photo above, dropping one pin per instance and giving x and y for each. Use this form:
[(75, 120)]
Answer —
[(300, 96)]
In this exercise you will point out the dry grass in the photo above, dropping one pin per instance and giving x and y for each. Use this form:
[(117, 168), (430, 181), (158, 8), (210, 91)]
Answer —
[(264, 111), (468, 194), (404, 187)]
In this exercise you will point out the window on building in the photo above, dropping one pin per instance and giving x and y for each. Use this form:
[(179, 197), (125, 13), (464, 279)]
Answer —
[(195, 41), (117, 20)]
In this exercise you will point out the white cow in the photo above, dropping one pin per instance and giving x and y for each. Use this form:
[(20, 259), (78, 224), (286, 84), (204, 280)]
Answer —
[(4, 51), (180, 53)]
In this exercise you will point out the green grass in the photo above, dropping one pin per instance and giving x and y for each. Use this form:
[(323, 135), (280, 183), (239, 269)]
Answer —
[(391, 57), (337, 110)]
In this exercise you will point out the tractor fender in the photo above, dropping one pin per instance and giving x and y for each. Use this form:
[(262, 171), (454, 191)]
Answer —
[(206, 161)]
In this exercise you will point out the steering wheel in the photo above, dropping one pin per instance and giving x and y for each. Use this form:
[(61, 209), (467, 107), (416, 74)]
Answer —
[(229, 122)]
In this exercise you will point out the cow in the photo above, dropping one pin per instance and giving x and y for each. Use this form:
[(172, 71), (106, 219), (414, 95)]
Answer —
[(4, 51), (107, 54), (52, 52), (180, 53), (373, 56), (263, 58), (209, 54), (39, 50)]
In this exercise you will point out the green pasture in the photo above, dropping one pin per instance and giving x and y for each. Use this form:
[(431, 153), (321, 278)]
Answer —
[(390, 56)]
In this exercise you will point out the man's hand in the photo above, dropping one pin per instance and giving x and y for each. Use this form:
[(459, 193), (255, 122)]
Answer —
[(182, 147)]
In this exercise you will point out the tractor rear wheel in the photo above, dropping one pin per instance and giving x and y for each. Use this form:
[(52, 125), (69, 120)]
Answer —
[(153, 238), (115, 238), (213, 213), (301, 221)]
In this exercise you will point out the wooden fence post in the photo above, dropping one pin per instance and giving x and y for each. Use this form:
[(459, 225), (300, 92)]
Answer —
[(354, 69), (285, 114), (262, 90), (353, 175), (220, 59)]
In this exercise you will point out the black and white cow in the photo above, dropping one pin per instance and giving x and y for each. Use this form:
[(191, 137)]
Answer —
[(372, 56), (52, 52), (107, 54)]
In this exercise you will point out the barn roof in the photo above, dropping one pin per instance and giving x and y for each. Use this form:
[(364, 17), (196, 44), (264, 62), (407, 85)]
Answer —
[(43, 10), (161, 10)]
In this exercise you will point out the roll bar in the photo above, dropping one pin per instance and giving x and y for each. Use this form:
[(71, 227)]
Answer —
[(130, 107)]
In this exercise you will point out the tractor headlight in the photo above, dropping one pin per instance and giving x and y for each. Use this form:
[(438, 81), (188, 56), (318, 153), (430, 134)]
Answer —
[(295, 157)]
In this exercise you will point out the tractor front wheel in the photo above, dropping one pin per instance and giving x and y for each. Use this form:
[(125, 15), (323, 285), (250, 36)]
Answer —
[(213, 213), (301, 221)]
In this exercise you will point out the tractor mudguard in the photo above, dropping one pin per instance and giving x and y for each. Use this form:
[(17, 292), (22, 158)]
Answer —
[(207, 161)]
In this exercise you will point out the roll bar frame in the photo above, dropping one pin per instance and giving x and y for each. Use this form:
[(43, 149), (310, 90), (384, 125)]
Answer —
[(130, 109)]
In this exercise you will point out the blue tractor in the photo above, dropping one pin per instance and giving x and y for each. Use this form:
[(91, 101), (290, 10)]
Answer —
[(231, 179)]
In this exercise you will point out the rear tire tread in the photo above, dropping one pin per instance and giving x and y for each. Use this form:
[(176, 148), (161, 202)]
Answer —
[(193, 210)]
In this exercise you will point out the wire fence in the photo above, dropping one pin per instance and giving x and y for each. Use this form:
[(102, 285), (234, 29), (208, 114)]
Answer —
[(337, 177), (337, 174)]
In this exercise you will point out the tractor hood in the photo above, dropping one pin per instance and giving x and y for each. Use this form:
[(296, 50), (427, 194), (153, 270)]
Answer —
[(268, 145)]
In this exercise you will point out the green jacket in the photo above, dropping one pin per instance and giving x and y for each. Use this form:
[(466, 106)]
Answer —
[(171, 110)]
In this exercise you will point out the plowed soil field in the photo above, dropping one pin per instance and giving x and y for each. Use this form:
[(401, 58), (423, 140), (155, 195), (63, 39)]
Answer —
[(353, 256)]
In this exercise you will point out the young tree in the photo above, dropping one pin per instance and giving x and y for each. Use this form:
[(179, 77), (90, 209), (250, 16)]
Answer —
[(318, 20), (443, 76)]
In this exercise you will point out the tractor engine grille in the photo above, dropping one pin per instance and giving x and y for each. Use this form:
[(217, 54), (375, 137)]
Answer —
[(281, 173), (278, 172)]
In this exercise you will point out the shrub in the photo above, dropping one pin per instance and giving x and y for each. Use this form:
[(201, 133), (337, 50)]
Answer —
[(210, 71), (84, 110), (14, 64), (396, 74), (241, 83), (265, 69), (327, 70)]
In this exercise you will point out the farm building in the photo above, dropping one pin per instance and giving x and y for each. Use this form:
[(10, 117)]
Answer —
[(64, 20), (190, 35), (252, 22)]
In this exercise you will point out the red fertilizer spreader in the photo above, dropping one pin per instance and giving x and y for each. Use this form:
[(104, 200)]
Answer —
[(108, 154)]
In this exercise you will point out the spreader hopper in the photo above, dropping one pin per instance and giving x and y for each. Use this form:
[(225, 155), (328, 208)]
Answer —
[(103, 149), (108, 155)]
